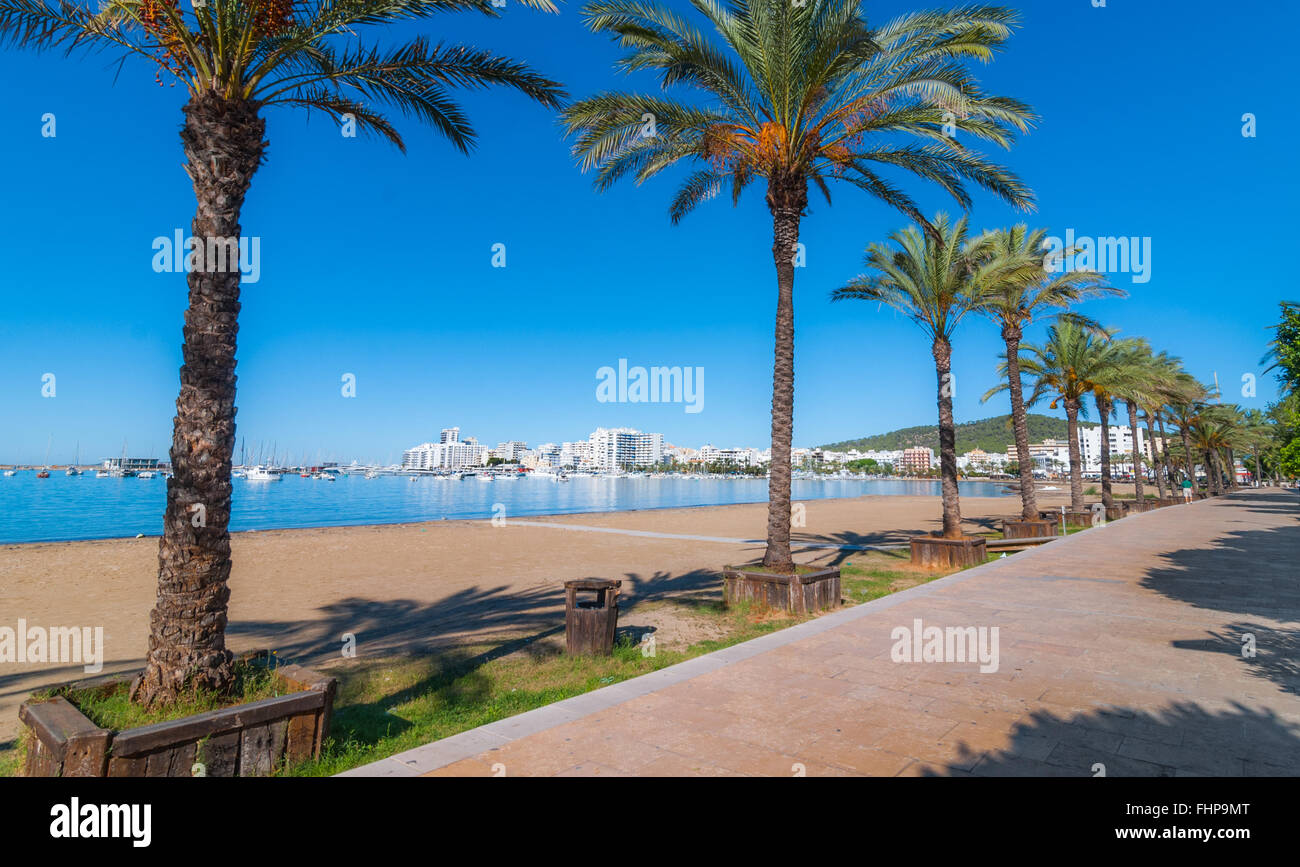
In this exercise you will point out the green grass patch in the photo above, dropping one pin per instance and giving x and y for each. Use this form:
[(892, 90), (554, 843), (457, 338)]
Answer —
[(113, 708), (879, 573), (12, 754), (394, 704)]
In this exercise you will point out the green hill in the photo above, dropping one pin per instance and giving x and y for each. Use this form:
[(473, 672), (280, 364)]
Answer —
[(989, 434)]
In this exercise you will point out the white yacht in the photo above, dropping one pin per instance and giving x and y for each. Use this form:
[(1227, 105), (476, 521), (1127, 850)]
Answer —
[(262, 474)]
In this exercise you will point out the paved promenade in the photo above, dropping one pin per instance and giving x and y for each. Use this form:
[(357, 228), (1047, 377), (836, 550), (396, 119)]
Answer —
[(1120, 651)]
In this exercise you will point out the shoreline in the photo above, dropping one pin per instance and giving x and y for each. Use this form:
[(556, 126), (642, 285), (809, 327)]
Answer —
[(4, 545), (422, 586)]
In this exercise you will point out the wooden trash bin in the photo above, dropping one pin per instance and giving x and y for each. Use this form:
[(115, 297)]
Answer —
[(589, 624)]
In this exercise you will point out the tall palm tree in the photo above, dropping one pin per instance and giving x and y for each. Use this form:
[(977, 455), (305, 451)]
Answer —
[(934, 282), (1259, 436), (796, 94), (1185, 401), (1145, 393), (1115, 364), (1029, 285), (1210, 436), (1068, 365), (237, 58)]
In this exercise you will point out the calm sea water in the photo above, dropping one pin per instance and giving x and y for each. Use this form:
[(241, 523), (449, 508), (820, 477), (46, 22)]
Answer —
[(63, 508)]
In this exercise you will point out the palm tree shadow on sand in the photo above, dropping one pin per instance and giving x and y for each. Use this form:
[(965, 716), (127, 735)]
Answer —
[(475, 615), (1183, 739)]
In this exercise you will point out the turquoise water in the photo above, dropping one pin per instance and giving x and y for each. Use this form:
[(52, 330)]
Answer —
[(63, 508)]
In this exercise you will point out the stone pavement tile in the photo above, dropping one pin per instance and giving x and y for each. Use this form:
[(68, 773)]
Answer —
[(463, 768), (846, 753), (894, 698), (932, 769), (673, 765), (1265, 769), (1021, 743), (736, 755), (958, 711), (592, 769), (780, 737), (905, 742), (1082, 760), (1182, 758), (1015, 766)]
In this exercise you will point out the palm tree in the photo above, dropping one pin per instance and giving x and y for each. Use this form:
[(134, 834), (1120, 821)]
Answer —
[(1210, 436), (1115, 364), (1145, 392), (237, 58), (935, 283), (1068, 365), (1023, 292), (1185, 399), (1259, 436), (793, 94)]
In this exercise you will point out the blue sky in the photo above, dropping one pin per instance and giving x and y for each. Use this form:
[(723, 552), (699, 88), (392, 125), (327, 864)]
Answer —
[(378, 264)]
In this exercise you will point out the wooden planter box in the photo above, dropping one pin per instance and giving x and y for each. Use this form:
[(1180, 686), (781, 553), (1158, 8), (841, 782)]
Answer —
[(1018, 529), (1073, 519), (1170, 501), (799, 594), (936, 552), (1143, 505), (1117, 511), (246, 740)]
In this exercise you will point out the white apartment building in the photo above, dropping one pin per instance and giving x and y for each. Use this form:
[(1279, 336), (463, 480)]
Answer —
[(978, 459), (617, 448), (512, 451), (680, 454), (444, 455), (547, 455), (450, 435), (881, 457), (741, 457), (1121, 443), (576, 454)]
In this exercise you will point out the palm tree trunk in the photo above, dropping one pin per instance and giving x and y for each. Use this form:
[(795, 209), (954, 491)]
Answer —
[(1103, 409), (1259, 470), (1165, 457), (786, 200), (1076, 468), (224, 144), (1188, 460), (947, 440), (1137, 452), (1020, 424), (1231, 471), (1212, 479), (1157, 460)]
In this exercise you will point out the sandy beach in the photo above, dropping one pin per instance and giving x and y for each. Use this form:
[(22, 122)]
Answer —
[(400, 588)]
